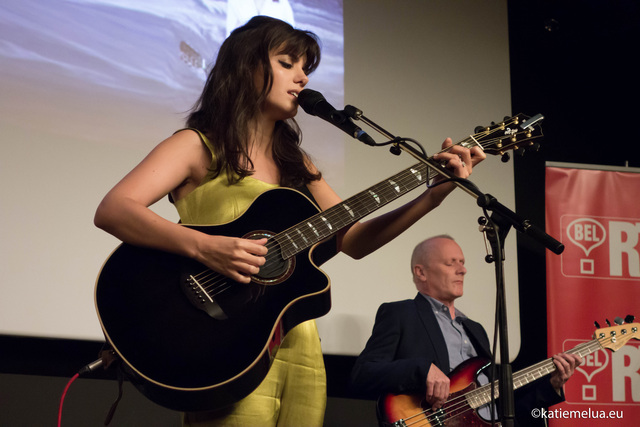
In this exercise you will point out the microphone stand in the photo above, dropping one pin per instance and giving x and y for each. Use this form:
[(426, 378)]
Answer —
[(499, 224)]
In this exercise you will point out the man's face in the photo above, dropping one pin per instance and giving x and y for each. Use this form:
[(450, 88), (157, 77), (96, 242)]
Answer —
[(442, 270)]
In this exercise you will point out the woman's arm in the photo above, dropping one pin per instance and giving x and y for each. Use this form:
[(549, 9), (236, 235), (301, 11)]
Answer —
[(176, 165), (362, 238)]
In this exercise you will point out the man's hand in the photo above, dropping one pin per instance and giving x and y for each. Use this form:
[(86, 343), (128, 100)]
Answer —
[(565, 367), (437, 387)]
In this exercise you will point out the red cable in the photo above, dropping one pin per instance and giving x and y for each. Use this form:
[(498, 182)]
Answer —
[(64, 393)]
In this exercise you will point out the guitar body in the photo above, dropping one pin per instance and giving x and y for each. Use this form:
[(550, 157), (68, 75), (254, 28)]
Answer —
[(412, 409), (185, 358)]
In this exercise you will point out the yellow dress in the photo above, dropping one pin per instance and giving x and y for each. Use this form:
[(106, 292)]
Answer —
[(294, 391)]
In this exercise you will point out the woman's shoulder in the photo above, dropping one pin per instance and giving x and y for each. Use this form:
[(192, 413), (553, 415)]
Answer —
[(185, 147), (190, 143), (193, 136)]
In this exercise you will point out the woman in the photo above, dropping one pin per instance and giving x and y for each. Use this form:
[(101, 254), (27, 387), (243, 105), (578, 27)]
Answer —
[(242, 141)]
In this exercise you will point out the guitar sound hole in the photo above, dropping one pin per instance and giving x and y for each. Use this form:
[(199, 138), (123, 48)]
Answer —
[(276, 269)]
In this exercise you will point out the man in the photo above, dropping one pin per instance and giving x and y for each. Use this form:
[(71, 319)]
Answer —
[(416, 343)]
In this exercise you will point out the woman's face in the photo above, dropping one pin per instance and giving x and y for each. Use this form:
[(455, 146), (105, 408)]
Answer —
[(288, 80)]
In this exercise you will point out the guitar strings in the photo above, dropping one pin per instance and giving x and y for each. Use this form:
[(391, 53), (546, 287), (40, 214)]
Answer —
[(460, 404), (214, 283)]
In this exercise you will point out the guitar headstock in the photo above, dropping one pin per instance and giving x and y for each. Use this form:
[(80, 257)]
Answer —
[(616, 337), (513, 133)]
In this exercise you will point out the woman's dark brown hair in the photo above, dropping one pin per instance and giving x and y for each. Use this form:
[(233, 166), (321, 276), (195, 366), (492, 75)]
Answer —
[(230, 99)]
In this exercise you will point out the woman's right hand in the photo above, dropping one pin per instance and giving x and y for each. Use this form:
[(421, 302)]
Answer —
[(236, 258)]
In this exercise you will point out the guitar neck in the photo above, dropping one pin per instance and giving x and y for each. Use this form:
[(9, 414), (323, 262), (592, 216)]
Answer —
[(482, 395), (326, 223)]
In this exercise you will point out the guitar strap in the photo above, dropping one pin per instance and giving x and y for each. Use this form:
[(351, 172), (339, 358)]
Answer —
[(114, 405), (110, 358)]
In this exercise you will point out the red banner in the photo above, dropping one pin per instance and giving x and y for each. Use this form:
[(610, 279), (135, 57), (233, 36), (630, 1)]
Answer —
[(596, 215)]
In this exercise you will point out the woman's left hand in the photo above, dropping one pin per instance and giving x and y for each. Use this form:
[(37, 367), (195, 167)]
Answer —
[(458, 159)]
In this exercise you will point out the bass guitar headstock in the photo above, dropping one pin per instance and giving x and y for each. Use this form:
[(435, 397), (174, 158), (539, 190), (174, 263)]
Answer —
[(616, 337)]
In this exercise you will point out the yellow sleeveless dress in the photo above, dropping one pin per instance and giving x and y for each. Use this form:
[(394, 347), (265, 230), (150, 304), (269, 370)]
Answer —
[(294, 390)]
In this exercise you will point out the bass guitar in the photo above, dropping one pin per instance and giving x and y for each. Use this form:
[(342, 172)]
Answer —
[(402, 410), (191, 339)]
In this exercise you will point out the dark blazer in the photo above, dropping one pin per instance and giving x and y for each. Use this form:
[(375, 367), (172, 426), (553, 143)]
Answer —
[(406, 340)]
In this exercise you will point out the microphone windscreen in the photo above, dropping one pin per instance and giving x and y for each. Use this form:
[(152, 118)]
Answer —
[(308, 99)]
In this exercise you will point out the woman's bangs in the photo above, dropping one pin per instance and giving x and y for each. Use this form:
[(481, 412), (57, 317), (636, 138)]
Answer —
[(301, 44)]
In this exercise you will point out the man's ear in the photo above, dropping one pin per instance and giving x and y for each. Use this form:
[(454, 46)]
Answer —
[(419, 272)]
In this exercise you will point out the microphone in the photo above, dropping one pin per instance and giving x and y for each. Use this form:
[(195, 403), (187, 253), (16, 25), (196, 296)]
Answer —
[(314, 103)]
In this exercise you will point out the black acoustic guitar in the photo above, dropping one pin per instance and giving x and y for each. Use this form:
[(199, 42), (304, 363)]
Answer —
[(192, 339)]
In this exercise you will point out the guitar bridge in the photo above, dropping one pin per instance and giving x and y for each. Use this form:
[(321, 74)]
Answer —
[(200, 297)]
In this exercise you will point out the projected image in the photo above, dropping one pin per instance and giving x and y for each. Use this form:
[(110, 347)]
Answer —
[(73, 53), (240, 11)]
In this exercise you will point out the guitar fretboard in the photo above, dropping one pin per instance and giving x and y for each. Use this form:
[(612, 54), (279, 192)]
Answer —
[(324, 224), (482, 395)]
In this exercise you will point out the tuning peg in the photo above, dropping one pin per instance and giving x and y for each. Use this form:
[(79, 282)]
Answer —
[(597, 325), (608, 323), (629, 318), (505, 157), (535, 146), (479, 129), (520, 152), (619, 320)]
